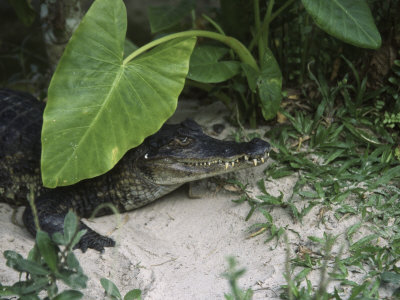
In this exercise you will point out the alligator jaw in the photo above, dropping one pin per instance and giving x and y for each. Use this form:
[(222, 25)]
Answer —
[(171, 171), (232, 163)]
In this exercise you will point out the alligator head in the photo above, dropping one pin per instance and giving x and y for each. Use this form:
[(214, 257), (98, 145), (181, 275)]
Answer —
[(183, 152)]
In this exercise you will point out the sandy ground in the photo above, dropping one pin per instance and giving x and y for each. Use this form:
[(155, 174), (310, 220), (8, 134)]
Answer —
[(176, 248)]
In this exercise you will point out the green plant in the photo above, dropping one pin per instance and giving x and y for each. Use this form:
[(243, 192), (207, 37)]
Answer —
[(233, 274), (47, 263), (113, 292), (50, 261), (104, 92)]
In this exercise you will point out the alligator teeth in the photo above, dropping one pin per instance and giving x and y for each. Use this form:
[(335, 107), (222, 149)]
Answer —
[(226, 166), (246, 157), (209, 163), (233, 164), (255, 162), (262, 159)]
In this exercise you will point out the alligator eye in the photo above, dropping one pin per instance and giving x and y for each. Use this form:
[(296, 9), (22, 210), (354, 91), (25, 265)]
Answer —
[(182, 141)]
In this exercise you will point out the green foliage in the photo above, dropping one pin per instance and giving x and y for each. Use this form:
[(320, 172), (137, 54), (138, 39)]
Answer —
[(46, 264), (233, 274), (206, 67), (112, 291), (98, 91), (350, 21)]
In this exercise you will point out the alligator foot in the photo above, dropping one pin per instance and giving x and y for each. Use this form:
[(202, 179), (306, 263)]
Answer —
[(51, 213), (91, 239)]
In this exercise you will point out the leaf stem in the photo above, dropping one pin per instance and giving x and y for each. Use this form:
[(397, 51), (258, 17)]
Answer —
[(257, 23), (213, 23), (244, 54), (267, 19), (280, 9), (266, 22)]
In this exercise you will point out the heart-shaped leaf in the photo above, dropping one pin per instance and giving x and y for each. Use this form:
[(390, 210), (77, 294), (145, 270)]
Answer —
[(350, 21), (99, 105), (206, 67)]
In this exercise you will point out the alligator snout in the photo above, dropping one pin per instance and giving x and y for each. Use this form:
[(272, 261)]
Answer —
[(257, 147)]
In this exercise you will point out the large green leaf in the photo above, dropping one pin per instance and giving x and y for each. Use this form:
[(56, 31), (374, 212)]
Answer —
[(206, 67), (347, 20), (166, 16), (269, 84), (100, 106)]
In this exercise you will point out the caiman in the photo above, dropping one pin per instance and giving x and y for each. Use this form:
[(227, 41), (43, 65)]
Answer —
[(176, 154)]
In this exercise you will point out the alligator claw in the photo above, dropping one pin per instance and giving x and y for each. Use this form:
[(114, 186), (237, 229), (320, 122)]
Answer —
[(92, 239)]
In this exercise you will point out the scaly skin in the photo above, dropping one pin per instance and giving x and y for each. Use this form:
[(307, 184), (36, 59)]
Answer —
[(176, 154)]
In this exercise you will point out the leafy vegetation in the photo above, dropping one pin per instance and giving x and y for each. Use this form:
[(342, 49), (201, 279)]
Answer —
[(338, 133), (346, 160), (233, 274), (50, 261), (103, 92)]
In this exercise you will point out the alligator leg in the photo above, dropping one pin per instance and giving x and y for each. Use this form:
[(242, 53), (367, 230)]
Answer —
[(51, 213)]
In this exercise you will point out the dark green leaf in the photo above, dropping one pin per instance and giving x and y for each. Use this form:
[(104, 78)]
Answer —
[(47, 249), (73, 279), (251, 75), (28, 287), (59, 238), (390, 277), (133, 294), (32, 267), (77, 237), (12, 259), (350, 21), (166, 16), (316, 239), (302, 274), (363, 241), (69, 295), (270, 200), (353, 229), (205, 65), (73, 262), (70, 226), (96, 100), (269, 85), (110, 288), (7, 291)]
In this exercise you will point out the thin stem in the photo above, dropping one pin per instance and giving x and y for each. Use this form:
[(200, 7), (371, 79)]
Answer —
[(266, 22), (213, 23), (265, 28), (244, 55), (31, 200), (280, 9), (257, 22)]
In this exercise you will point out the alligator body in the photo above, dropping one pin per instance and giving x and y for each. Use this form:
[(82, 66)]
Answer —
[(176, 154)]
